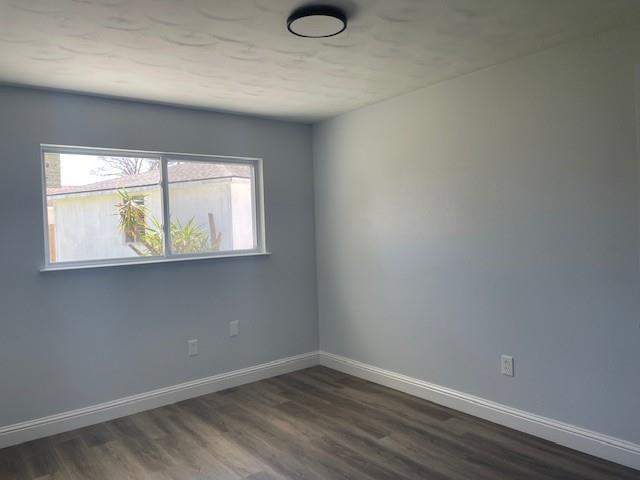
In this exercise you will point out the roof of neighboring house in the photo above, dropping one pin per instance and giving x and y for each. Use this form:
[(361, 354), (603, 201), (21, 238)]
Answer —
[(181, 172)]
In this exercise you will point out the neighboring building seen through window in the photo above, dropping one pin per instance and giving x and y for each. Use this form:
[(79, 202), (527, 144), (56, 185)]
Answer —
[(94, 201)]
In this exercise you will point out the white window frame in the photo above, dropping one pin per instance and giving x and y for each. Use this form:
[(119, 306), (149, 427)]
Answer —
[(163, 158)]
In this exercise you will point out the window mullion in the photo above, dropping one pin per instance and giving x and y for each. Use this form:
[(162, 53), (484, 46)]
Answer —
[(166, 225)]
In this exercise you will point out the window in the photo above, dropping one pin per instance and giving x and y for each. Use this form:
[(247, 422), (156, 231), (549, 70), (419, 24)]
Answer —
[(105, 207)]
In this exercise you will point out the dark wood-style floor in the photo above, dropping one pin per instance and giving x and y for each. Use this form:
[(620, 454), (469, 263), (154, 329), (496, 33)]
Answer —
[(316, 424)]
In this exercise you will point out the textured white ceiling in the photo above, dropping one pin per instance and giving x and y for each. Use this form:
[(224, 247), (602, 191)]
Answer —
[(237, 54)]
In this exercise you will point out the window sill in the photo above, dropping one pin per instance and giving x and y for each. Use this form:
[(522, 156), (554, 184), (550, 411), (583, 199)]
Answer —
[(122, 263)]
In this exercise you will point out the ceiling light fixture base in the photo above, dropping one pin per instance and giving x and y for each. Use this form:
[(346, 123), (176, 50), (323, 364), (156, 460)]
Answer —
[(317, 21)]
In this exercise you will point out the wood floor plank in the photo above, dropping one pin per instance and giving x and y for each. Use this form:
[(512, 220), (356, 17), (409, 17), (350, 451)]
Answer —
[(209, 431), (297, 430), (282, 452), (40, 459), (12, 464), (315, 424), (78, 461), (404, 464)]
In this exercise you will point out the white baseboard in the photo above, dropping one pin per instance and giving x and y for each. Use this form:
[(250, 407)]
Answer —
[(594, 443), (577, 438), (62, 422)]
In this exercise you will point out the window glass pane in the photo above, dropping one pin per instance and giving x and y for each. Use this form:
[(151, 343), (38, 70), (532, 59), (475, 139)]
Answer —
[(102, 207), (211, 206)]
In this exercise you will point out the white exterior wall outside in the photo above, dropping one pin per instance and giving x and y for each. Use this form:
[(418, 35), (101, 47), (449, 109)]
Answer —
[(87, 225)]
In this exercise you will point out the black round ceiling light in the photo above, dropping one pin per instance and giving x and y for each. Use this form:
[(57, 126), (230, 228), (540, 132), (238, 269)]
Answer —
[(317, 21)]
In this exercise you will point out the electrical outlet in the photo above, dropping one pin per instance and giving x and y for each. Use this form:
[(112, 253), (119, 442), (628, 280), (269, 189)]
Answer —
[(234, 328), (192, 346), (506, 365)]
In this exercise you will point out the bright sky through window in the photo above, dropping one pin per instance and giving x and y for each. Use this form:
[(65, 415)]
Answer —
[(85, 169)]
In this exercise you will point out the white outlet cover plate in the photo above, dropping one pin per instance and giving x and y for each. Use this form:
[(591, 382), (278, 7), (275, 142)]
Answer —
[(234, 328), (506, 365)]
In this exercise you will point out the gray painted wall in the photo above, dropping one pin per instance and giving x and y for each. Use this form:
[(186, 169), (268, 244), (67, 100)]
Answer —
[(494, 213), (75, 338)]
